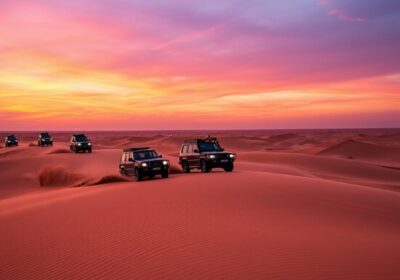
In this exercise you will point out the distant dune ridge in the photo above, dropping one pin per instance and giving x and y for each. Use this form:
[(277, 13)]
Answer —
[(299, 205)]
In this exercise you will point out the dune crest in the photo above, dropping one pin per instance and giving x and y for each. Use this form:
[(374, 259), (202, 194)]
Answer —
[(59, 151), (108, 179)]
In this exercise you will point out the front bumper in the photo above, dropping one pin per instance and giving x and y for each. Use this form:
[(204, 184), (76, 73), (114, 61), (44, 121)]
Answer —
[(11, 143), (219, 162), (154, 170), (83, 148)]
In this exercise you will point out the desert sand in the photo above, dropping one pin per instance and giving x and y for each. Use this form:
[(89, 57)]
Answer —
[(322, 204)]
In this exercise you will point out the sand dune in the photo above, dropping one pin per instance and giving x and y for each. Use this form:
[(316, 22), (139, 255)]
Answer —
[(364, 151), (318, 206), (197, 228)]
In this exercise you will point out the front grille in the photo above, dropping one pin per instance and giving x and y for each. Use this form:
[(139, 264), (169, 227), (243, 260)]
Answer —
[(155, 164), (222, 156)]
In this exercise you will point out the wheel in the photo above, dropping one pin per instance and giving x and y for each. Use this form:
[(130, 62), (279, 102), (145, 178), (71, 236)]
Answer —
[(165, 174), (90, 150), (229, 167), (38, 143), (139, 175), (204, 167), (51, 144), (185, 167)]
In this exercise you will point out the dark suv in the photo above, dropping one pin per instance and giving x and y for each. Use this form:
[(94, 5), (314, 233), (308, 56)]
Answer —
[(79, 142), (141, 162), (205, 154), (11, 140), (45, 139)]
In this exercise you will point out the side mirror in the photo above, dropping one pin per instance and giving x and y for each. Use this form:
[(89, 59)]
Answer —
[(131, 159), (160, 156), (222, 149), (196, 151)]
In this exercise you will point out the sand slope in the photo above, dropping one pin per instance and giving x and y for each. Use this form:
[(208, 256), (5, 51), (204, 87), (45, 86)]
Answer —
[(269, 226), (284, 213)]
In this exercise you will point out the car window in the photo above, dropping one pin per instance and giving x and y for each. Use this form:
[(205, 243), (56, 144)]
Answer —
[(209, 147), (148, 154)]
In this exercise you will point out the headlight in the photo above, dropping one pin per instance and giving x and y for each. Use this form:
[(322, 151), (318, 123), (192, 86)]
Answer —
[(165, 162), (8, 141), (232, 156), (89, 144), (211, 156), (79, 144), (144, 164)]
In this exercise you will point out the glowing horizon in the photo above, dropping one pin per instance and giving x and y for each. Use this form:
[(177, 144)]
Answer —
[(109, 65)]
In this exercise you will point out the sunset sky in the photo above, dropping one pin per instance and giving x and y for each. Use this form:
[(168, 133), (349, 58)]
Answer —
[(203, 64)]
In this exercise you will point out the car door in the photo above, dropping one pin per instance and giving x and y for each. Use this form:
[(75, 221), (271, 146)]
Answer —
[(194, 155), (130, 164), (72, 143)]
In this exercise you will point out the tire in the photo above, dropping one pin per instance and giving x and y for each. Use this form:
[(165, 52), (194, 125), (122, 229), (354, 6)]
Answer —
[(204, 167), (90, 150), (165, 174), (185, 167), (139, 175), (38, 143), (228, 168)]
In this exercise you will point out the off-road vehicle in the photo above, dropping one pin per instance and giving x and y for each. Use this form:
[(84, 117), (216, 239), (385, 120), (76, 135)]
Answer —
[(142, 162), (205, 154), (11, 140), (79, 142), (45, 139)]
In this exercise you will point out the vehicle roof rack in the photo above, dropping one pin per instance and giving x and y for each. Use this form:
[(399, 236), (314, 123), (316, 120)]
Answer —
[(207, 139), (136, 149)]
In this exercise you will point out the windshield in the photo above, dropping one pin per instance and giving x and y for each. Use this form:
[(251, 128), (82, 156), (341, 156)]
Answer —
[(148, 154), (45, 135), (209, 147), (81, 138)]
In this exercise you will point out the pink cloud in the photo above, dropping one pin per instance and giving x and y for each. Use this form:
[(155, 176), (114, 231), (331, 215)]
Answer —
[(343, 15)]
